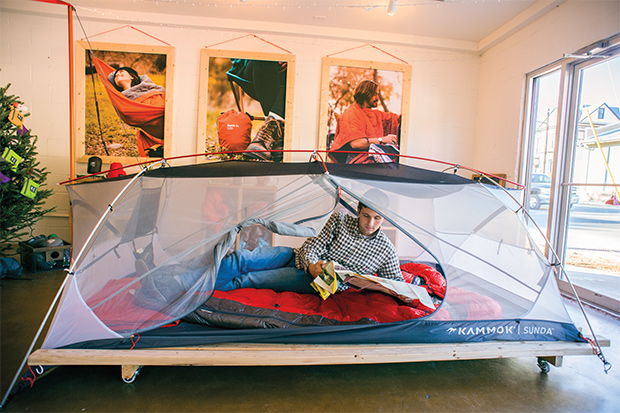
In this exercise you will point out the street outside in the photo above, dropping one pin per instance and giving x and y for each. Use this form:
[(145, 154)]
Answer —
[(593, 252)]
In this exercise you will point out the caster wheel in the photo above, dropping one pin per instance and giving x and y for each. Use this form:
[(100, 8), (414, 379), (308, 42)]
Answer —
[(544, 366), (133, 377)]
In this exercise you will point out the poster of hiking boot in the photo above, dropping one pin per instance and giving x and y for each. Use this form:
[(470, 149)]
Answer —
[(364, 110), (245, 105), (122, 106)]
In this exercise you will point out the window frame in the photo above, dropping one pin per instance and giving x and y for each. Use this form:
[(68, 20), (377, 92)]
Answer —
[(571, 68)]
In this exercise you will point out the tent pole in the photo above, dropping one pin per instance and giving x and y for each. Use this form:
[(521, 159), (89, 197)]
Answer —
[(70, 273), (72, 174), (36, 337), (562, 270), (107, 212), (71, 98)]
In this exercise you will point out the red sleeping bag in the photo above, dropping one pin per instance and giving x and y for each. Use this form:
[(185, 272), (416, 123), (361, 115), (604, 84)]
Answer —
[(254, 308), (262, 308)]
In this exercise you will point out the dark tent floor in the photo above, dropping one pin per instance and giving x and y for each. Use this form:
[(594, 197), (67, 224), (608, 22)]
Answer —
[(475, 385)]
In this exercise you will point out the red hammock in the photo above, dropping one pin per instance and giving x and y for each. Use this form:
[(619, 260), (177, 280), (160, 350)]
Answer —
[(145, 112)]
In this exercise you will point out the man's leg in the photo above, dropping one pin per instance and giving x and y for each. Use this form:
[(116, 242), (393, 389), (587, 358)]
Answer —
[(278, 279), (268, 267), (244, 261)]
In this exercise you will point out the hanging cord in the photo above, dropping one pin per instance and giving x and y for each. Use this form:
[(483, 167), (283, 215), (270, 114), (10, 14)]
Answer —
[(131, 27), (249, 35), (557, 263), (370, 45)]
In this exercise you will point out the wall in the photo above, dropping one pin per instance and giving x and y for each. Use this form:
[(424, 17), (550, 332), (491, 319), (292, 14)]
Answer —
[(34, 60), (571, 26), (464, 108)]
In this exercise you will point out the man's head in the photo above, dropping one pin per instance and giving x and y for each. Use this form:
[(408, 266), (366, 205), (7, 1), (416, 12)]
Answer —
[(369, 220), (123, 78), (366, 94)]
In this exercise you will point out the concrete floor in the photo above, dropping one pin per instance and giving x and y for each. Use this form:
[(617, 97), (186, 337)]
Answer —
[(500, 385)]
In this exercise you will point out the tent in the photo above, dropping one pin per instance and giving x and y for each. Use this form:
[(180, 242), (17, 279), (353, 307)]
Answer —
[(168, 222)]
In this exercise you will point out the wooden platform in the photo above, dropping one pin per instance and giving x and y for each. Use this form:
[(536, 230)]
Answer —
[(287, 354)]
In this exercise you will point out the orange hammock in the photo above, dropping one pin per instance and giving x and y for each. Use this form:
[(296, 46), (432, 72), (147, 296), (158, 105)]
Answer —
[(145, 112)]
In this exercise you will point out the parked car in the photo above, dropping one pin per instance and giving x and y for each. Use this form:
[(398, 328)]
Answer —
[(540, 191)]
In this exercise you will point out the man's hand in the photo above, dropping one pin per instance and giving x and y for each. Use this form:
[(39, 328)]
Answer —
[(390, 139), (316, 268)]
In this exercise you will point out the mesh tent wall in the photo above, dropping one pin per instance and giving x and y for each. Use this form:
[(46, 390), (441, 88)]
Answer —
[(183, 219)]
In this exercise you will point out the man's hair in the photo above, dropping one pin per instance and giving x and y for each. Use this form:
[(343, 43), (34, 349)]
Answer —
[(135, 78), (364, 91), (378, 197)]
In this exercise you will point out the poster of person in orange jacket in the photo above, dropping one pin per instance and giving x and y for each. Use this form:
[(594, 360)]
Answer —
[(363, 115)]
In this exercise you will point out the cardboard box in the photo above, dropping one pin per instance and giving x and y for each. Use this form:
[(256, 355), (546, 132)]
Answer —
[(45, 258)]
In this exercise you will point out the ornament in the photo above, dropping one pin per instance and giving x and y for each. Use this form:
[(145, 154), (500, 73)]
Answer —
[(30, 188), (11, 157), (22, 131), (3, 178), (23, 109), (16, 117)]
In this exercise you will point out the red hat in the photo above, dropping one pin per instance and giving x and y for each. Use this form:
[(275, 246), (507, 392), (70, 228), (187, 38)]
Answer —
[(116, 169)]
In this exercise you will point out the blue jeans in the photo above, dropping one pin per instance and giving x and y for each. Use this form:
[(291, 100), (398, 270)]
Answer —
[(267, 267)]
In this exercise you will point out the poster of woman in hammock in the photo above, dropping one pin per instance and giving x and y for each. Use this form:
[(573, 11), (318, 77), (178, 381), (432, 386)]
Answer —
[(363, 110), (125, 103), (245, 105)]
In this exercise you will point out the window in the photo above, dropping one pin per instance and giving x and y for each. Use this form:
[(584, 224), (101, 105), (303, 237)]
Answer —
[(593, 232), (571, 166)]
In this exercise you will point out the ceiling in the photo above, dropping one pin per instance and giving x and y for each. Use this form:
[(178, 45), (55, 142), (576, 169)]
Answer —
[(457, 20)]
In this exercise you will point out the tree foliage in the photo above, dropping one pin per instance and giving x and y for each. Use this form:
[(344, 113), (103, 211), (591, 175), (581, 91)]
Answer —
[(19, 212)]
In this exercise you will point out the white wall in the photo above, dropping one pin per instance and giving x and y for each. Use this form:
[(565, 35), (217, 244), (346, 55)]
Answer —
[(571, 26), (464, 109), (34, 60)]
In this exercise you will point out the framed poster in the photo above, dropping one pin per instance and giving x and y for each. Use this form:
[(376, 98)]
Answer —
[(123, 101), (245, 103), (340, 78)]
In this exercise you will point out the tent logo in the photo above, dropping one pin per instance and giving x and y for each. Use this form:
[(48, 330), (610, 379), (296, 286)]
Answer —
[(534, 330), (482, 331)]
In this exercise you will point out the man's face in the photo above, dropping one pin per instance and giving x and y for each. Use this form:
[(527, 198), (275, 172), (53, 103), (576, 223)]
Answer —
[(122, 78), (369, 221), (373, 101)]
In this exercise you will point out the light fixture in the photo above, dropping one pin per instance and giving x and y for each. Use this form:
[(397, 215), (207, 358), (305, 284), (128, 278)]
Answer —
[(391, 7)]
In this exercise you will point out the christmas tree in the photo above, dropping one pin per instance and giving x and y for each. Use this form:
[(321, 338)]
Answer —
[(22, 198)]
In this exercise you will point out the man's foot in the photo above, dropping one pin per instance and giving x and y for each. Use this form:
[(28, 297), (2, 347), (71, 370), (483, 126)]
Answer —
[(269, 136)]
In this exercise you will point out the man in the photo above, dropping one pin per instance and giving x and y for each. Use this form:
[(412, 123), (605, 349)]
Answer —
[(356, 243), (141, 89), (360, 125)]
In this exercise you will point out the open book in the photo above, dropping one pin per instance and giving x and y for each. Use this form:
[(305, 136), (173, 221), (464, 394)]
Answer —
[(327, 281), (335, 274)]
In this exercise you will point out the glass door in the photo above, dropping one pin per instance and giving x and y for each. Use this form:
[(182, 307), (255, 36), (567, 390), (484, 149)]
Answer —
[(542, 130), (592, 254)]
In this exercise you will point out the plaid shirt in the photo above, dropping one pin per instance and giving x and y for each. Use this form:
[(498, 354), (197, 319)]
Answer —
[(340, 240)]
